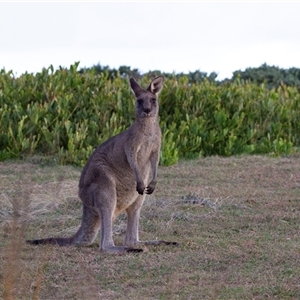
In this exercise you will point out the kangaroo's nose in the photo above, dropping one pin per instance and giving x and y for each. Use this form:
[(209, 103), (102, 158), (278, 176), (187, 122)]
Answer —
[(147, 110)]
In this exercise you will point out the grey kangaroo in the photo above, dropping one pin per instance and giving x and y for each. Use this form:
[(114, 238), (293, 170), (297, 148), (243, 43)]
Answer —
[(115, 178)]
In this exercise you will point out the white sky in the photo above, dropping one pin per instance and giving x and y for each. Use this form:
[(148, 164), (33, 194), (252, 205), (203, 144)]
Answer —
[(220, 37)]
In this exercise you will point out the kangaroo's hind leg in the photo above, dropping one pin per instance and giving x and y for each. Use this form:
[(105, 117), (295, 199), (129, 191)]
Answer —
[(132, 234), (105, 203), (133, 216)]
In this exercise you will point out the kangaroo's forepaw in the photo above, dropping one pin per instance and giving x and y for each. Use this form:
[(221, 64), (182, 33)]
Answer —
[(151, 187), (140, 188), (149, 190)]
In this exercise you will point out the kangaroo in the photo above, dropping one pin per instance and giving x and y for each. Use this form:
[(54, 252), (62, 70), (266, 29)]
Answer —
[(113, 179)]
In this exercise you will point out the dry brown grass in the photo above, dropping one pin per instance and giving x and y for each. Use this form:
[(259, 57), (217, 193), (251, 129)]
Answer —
[(236, 219)]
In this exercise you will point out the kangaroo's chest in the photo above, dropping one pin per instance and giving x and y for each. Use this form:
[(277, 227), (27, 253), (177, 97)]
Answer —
[(145, 150)]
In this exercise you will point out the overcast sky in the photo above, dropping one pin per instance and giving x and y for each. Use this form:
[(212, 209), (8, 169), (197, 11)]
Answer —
[(219, 37)]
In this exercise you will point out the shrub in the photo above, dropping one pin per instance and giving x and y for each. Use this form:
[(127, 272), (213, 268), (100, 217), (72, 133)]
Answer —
[(67, 114)]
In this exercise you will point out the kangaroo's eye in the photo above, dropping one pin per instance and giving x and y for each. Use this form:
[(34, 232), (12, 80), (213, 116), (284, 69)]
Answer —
[(153, 100), (139, 101)]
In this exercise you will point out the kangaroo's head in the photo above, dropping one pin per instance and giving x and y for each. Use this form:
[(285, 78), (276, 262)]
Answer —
[(146, 99)]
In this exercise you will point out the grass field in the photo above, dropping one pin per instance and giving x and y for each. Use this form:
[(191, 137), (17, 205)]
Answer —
[(237, 221)]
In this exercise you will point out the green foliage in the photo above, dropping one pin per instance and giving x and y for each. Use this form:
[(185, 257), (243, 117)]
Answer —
[(272, 76), (231, 119), (125, 71), (67, 113)]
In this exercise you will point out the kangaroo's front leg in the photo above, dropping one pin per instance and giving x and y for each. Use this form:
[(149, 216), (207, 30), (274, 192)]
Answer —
[(154, 165), (131, 154)]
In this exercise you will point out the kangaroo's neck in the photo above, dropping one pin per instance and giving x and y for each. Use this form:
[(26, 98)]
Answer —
[(146, 124), (146, 121)]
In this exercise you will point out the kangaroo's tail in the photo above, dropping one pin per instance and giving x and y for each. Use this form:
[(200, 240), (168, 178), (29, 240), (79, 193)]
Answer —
[(85, 235), (52, 241)]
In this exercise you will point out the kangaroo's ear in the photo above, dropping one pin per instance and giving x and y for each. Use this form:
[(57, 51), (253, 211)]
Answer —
[(156, 85), (136, 88)]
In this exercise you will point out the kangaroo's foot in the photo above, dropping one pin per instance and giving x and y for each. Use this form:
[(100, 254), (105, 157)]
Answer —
[(158, 242), (120, 250), (154, 243)]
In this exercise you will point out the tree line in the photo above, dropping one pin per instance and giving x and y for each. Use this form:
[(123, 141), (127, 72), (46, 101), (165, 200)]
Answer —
[(271, 76)]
